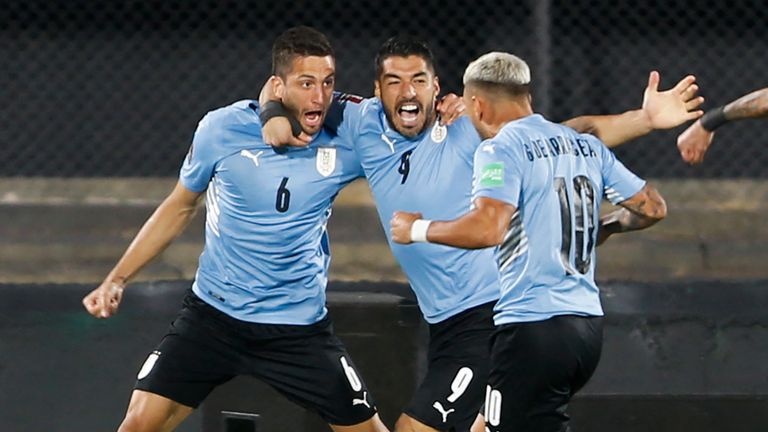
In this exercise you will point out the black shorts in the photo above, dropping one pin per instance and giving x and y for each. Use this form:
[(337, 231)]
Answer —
[(536, 368), (450, 397), (307, 363)]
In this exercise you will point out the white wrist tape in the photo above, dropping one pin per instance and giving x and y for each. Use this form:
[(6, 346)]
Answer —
[(419, 230)]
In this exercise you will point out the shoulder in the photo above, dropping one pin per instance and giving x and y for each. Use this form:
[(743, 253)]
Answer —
[(241, 113)]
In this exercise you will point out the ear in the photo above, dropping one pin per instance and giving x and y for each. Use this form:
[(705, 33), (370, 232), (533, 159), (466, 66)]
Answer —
[(437, 85), (480, 106), (377, 89), (279, 87)]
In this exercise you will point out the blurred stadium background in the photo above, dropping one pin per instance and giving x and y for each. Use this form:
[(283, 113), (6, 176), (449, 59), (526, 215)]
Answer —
[(97, 108)]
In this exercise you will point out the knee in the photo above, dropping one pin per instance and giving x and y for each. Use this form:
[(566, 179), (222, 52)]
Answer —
[(132, 423)]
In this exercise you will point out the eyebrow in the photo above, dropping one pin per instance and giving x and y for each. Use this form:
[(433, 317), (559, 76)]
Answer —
[(312, 77), (416, 75)]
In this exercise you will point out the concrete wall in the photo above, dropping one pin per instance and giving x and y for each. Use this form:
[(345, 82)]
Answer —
[(674, 355)]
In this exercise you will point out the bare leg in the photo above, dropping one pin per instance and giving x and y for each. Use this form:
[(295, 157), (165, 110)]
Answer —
[(407, 423), (479, 424), (373, 424), (148, 412)]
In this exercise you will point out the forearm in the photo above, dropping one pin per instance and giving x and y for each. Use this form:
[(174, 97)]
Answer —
[(475, 230), (615, 129), (753, 105), (165, 224), (623, 220)]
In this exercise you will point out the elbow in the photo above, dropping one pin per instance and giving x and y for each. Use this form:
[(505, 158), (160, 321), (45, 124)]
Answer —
[(657, 212)]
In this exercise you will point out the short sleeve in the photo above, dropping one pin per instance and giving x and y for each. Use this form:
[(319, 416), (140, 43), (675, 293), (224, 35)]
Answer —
[(498, 172), (619, 183), (344, 116), (198, 166)]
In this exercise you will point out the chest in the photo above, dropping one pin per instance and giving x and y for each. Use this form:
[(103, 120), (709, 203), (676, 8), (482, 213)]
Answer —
[(261, 180), (405, 175)]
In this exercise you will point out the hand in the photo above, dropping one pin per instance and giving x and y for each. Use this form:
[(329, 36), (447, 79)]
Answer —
[(400, 226), (104, 300), (277, 132), (694, 142), (450, 107), (673, 107)]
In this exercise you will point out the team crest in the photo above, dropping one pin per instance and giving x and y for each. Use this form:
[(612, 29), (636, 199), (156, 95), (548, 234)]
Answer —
[(326, 160), (439, 132)]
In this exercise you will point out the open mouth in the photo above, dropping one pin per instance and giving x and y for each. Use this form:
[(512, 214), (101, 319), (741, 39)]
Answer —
[(409, 114), (313, 118)]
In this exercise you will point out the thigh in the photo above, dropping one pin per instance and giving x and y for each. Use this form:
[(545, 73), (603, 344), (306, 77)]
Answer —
[(451, 394), (535, 370), (151, 412), (310, 366)]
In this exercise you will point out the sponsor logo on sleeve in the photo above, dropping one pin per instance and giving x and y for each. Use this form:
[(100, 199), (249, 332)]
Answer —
[(492, 175)]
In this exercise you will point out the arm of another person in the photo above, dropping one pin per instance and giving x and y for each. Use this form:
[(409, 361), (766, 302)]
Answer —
[(660, 110), (165, 224), (484, 226), (694, 142)]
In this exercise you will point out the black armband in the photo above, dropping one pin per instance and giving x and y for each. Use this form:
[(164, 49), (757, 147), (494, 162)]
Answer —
[(276, 109), (713, 119)]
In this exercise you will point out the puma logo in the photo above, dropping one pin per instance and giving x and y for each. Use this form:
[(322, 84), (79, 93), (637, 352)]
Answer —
[(251, 156), (439, 407), (389, 142), (490, 148), (362, 401)]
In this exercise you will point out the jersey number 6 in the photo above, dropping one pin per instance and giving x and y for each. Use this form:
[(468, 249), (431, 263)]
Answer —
[(283, 199)]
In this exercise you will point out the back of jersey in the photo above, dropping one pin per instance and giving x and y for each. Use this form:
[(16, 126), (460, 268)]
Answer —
[(556, 178)]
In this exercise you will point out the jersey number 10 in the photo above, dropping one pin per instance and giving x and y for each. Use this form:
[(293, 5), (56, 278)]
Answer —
[(578, 224)]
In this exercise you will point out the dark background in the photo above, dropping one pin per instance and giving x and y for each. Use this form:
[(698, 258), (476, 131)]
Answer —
[(115, 88)]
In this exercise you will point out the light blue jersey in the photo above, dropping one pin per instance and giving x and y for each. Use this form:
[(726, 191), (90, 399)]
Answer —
[(431, 173), (556, 178), (266, 250)]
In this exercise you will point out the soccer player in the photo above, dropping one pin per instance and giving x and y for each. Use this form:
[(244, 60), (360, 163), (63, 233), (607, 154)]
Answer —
[(257, 306), (537, 189), (694, 142), (411, 161)]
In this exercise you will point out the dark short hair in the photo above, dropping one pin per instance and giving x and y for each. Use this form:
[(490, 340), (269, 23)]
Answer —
[(295, 42), (404, 46)]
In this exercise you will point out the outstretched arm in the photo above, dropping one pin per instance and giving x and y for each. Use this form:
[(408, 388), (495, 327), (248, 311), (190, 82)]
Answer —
[(484, 226), (660, 110), (694, 142), (642, 210), (165, 224)]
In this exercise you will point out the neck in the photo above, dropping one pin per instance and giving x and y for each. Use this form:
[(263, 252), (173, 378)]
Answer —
[(508, 112)]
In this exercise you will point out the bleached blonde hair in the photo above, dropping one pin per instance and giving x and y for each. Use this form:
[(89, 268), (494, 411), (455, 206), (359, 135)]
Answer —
[(498, 68)]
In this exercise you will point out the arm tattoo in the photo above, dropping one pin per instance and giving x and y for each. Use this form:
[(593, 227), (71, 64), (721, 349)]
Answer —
[(752, 105), (639, 212)]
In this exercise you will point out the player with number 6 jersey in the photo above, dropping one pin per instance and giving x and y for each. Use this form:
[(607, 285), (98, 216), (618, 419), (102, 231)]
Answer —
[(257, 306)]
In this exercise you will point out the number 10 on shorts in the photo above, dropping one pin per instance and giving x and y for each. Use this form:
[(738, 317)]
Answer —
[(492, 406)]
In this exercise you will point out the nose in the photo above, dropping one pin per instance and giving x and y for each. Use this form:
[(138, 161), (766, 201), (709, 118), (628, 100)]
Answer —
[(407, 90), (317, 96)]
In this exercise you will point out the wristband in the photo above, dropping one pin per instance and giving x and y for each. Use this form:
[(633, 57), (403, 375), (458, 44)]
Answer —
[(713, 119), (277, 109), (419, 230)]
